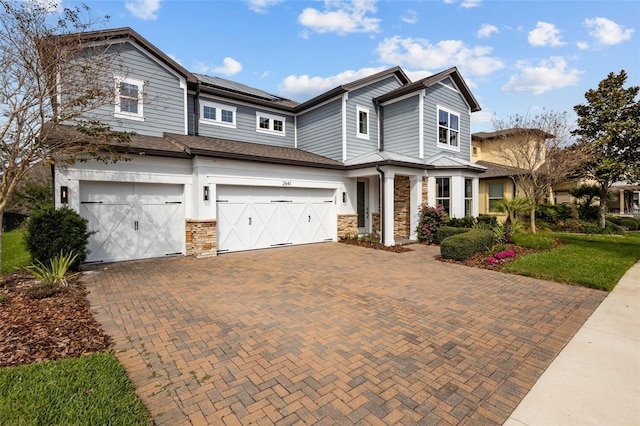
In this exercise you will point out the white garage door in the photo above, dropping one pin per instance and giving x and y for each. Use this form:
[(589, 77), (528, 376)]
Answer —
[(132, 221), (262, 217)]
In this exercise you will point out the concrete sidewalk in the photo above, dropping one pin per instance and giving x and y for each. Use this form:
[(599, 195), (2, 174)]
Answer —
[(595, 380)]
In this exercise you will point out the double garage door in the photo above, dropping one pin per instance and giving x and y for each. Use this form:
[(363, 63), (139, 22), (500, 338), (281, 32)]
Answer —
[(263, 217), (133, 221)]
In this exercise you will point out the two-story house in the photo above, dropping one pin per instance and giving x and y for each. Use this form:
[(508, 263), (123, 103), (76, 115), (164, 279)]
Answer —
[(217, 166)]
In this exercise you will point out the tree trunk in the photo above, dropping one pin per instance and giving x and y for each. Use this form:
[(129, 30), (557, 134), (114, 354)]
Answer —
[(508, 229), (532, 219), (602, 207)]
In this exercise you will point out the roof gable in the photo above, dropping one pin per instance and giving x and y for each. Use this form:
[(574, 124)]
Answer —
[(451, 73)]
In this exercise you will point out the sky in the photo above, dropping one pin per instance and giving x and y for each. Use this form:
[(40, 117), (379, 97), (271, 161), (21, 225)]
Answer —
[(517, 57)]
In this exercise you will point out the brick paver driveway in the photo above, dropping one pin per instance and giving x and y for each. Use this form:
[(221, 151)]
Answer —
[(332, 334)]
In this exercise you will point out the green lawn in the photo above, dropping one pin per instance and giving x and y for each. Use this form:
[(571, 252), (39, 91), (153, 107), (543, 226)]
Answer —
[(90, 390), (14, 251), (596, 261)]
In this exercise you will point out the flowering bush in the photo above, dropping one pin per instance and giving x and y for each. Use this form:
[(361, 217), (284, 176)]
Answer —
[(499, 256), (431, 218)]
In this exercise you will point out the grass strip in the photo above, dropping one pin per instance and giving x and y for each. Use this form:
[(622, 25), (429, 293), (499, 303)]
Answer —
[(14, 251), (596, 261), (89, 390)]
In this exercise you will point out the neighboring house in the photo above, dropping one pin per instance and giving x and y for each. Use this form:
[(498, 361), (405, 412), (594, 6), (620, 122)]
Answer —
[(217, 166), (506, 154)]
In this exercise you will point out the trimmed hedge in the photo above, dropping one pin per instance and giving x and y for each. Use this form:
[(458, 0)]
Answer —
[(628, 222), (447, 231), (463, 246)]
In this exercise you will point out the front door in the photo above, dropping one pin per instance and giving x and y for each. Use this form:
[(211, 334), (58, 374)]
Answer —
[(362, 207)]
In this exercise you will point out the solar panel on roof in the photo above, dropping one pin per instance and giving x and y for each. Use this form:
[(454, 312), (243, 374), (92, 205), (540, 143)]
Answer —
[(237, 87)]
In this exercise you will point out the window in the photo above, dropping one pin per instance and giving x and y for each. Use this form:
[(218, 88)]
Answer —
[(363, 122), (474, 151), (448, 128), (267, 123), (129, 103), (496, 193), (443, 193), (468, 197), (217, 114)]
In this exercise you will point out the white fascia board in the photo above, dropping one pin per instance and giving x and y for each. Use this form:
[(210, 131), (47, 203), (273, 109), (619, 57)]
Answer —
[(183, 86), (125, 176), (272, 182)]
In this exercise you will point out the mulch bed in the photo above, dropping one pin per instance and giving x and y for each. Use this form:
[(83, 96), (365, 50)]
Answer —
[(35, 328), (480, 260), (377, 246)]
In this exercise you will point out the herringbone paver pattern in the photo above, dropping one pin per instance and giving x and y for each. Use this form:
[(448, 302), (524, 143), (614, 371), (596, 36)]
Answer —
[(332, 334)]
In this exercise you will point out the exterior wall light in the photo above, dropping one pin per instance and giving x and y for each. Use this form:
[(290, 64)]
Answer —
[(205, 193), (344, 197), (64, 195)]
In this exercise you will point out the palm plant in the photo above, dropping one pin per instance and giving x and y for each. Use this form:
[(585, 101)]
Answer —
[(512, 208)]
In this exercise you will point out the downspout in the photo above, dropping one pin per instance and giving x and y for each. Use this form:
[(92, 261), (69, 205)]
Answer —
[(379, 170), (380, 125), (196, 109)]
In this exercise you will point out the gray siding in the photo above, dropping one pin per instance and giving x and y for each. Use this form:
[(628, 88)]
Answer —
[(163, 97), (363, 97), (401, 127), (320, 130), (245, 130), (438, 95)]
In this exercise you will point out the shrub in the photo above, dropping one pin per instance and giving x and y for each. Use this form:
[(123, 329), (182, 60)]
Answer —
[(533, 241), (462, 222), (628, 222), (431, 218), (554, 213), (486, 221), (447, 231), (51, 231), (463, 246)]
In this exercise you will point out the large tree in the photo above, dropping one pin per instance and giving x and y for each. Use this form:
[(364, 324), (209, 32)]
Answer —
[(49, 77), (609, 124), (539, 150)]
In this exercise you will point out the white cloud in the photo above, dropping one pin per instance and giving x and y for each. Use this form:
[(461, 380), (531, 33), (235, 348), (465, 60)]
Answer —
[(486, 30), (607, 32), (467, 4), (549, 74), (341, 17), (582, 45), (421, 54), (175, 58), (305, 87), (143, 9), (410, 17), (262, 6), (545, 34), (481, 118), (229, 67)]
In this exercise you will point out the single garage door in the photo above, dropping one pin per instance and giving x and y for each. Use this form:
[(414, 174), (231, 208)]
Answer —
[(262, 217), (132, 221)]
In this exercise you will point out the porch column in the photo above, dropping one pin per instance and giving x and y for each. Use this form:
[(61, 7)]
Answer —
[(621, 199), (388, 211), (414, 205)]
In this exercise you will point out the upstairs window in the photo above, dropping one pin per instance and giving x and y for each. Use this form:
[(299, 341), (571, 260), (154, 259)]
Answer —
[(362, 115), (267, 123), (448, 128), (217, 114), (129, 99)]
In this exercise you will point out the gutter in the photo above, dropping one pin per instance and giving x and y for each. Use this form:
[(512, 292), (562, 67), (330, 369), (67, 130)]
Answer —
[(379, 170)]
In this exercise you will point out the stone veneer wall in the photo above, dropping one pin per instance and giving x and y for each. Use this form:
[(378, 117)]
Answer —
[(201, 237), (375, 226), (402, 206), (425, 191), (347, 225)]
